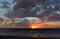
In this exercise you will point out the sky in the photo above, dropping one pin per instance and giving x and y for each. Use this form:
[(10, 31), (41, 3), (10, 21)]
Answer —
[(21, 9), (3, 10), (26, 12)]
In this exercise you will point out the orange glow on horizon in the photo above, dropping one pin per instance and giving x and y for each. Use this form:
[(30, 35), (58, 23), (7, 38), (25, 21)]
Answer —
[(33, 27), (37, 26)]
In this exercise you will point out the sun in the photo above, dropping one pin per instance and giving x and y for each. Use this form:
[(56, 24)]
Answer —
[(33, 27)]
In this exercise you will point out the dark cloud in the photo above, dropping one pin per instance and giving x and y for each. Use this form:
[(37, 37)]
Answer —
[(21, 13), (23, 8), (50, 15), (23, 4), (54, 17), (25, 23), (27, 13)]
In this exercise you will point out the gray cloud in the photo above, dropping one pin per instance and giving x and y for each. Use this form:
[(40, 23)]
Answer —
[(23, 9), (23, 4)]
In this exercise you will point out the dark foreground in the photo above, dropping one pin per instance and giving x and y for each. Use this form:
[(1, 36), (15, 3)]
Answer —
[(19, 37), (32, 33)]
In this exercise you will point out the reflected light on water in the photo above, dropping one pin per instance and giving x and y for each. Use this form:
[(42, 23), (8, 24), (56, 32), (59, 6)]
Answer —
[(35, 36), (40, 36)]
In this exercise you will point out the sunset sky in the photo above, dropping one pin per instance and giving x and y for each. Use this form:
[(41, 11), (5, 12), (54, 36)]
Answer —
[(44, 10)]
